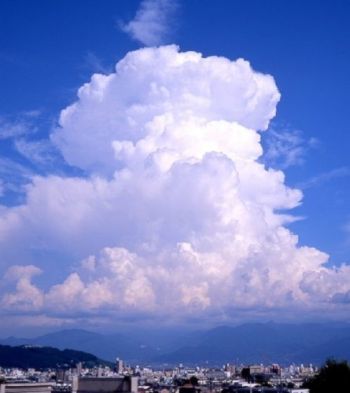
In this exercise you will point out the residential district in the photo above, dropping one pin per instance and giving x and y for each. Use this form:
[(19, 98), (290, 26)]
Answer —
[(122, 378)]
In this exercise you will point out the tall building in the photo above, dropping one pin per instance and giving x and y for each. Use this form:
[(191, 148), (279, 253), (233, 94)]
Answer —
[(119, 366), (79, 368)]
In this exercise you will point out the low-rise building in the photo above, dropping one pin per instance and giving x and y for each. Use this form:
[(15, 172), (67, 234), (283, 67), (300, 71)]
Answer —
[(105, 385), (25, 388)]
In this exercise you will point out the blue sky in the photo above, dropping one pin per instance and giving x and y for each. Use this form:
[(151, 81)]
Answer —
[(50, 49)]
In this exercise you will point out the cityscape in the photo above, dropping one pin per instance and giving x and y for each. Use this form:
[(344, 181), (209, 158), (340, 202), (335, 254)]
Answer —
[(135, 379), (33, 367), (174, 196)]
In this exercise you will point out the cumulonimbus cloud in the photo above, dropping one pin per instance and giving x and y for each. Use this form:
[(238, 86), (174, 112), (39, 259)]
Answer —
[(176, 215)]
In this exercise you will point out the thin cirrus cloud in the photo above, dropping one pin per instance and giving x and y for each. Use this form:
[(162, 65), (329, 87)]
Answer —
[(11, 128), (40, 151), (176, 216), (325, 177), (285, 148), (152, 23)]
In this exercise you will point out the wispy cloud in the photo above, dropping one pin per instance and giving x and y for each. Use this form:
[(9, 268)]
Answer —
[(151, 24), (2, 188), (13, 176), (40, 152), (286, 148), (95, 64), (14, 128), (19, 125), (324, 177), (21, 132), (10, 168)]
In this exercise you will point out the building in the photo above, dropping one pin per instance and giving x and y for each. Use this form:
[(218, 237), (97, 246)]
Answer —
[(25, 388), (105, 385), (119, 366), (256, 369)]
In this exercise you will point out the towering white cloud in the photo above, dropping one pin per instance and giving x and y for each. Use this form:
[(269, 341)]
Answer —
[(170, 102), (176, 215)]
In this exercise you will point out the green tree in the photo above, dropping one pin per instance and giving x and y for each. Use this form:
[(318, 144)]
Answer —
[(334, 376)]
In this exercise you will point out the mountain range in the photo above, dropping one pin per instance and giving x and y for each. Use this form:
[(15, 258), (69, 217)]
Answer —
[(248, 343)]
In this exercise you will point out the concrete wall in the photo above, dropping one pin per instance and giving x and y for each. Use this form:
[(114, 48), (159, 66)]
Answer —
[(25, 388), (105, 385)]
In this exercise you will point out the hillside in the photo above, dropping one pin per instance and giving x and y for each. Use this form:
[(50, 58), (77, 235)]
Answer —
[(129, 347), (43, 357)]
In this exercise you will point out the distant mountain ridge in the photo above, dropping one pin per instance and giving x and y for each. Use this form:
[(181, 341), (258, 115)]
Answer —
[(247, 343), (267, 343), (44, 357)]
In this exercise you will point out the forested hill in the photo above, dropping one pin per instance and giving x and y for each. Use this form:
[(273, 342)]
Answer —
[(26, 356)]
